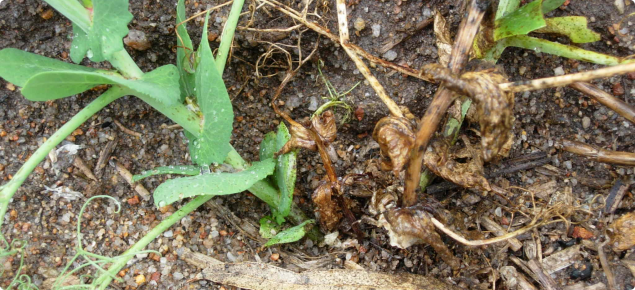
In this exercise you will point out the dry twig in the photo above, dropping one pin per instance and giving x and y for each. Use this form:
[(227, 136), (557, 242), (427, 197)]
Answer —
[(126, 130), (625, 110), (599, 154)]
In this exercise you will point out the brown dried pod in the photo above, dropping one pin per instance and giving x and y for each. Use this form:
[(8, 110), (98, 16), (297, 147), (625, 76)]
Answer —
[(412, 225), (441, 163), (494, 109), (327, 208), (325, 126), (396, 138)]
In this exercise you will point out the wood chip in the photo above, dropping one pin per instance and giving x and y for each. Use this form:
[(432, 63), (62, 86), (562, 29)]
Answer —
[(79, 163), (128, 177), (561, 259), (268, 277), (104, 155)]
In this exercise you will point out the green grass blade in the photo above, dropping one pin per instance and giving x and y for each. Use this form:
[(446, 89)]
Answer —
[(181, 169), (228, 35), (184, 42), (212, 184), (74, 11)]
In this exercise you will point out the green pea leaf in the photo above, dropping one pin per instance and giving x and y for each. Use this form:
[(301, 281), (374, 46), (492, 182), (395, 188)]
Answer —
[(160, 84), (18, 66), (520, 22), (212, 146), (550, 5), (285, 174), (110, 26), (268, 146), (574, 27), (180, 169), (212, 184), (289, 235), (80, 44)]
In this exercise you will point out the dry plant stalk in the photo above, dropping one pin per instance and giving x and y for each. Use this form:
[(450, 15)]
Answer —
[(344, 41), (598, 154), (625, 110), (442, 100)]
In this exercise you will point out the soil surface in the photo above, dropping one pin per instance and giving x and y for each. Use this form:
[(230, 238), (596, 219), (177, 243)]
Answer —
[(48, 220)]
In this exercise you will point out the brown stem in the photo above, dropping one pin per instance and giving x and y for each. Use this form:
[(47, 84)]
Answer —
[(625, 110), (441, 102), (599, 154)]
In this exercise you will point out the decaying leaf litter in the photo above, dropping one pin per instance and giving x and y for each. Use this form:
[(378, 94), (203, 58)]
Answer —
[(560, 171)]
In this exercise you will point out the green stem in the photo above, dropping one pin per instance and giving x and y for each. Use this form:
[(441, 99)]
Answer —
[(8, 190), (546, 46), (228, 35), (124, 63), (104, 280)]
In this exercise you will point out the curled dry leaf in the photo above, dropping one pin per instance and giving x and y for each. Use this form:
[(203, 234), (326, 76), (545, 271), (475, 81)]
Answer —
[(623, 232), (327, 208), (494, 109), (396, 138), (443, 38), (412, 225), (324, 125), (470, 174)]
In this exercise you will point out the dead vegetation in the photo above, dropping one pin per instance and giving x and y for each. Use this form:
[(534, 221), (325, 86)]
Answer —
[(408, 143)]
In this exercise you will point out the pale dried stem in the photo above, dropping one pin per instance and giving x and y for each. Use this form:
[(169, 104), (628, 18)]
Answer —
[(560, 81), (477, 243), (361, 66), (625, 110), (266, 30), (606, 267)]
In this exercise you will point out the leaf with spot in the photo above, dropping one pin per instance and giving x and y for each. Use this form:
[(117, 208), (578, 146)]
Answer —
[(160, 84), (212, 184), (268, 227), (179, 169), (574, 27), (212, 146), (289, 235)]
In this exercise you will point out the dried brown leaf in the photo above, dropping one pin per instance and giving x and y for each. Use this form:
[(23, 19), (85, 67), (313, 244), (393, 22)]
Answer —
[(395, 137), (470, 174), (623, 232), (326, 207), (268, 277), (325, 126), (412, 225), (494, 108), (443, 38)]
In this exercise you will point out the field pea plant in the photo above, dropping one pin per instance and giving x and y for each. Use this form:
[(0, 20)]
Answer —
[(207, 118)]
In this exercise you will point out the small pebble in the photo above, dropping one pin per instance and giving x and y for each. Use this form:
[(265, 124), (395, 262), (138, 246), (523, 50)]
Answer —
[(178, 276), (568, 164), (558, 71), (168, 234), (376, 30), (618, 89), (275, 256), (140, 279), (390, 55), (586, 122), (313, 103), (137, 39)]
